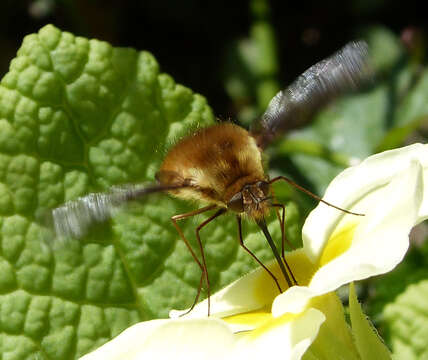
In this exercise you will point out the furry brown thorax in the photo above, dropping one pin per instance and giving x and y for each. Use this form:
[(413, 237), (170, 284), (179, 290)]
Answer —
[(219, 165)]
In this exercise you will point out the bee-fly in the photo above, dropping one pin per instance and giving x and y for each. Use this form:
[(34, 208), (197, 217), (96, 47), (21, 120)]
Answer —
[(221, 166)]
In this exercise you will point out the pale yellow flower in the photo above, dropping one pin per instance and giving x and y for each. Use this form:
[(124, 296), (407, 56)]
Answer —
[(251, 320)]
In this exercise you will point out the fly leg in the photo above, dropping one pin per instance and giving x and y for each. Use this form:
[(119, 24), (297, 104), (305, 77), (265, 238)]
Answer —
[(207, 221), (202, 264), (316, 197)]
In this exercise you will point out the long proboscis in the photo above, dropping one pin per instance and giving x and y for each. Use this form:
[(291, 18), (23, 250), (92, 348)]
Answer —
[(294, 107), (281, 262), (74, 218)]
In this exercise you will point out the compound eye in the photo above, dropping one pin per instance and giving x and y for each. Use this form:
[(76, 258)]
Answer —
[(264, 186), (235, 203)]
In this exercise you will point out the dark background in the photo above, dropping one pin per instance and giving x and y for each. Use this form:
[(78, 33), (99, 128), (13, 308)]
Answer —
[(191, 38)]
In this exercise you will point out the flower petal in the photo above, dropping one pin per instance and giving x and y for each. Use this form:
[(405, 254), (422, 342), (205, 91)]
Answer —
[(169, 339), (379, 243), (126, 344), (382, 237), (190, 339), (355, 183), (289, 335), (251, 292)]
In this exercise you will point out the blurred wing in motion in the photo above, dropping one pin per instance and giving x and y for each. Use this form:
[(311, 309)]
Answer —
[(74, 218), (293, 107)]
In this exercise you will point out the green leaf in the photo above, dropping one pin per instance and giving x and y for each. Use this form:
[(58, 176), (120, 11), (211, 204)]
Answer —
[(399, 303), (367, 340), (411, 114), (415, 105), (383, 41), (407, 319), (77, 116)]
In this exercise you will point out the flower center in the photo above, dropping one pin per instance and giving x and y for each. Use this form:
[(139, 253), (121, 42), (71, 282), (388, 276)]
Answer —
[(257, 323), (253, 318), (339, 242)]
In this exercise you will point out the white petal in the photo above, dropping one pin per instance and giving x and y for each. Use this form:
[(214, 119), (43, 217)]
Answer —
[(355, 183), (288, 340), (251, 292), (382, 238), (127, 344), (169, 339), (294, 300), (189, 339), (379, 244)]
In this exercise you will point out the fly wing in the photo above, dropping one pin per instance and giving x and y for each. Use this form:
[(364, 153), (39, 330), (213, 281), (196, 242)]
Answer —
[(74, 218), (291, 108)]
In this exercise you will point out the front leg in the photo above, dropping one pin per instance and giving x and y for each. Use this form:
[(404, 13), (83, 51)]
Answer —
[(202, 264)]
